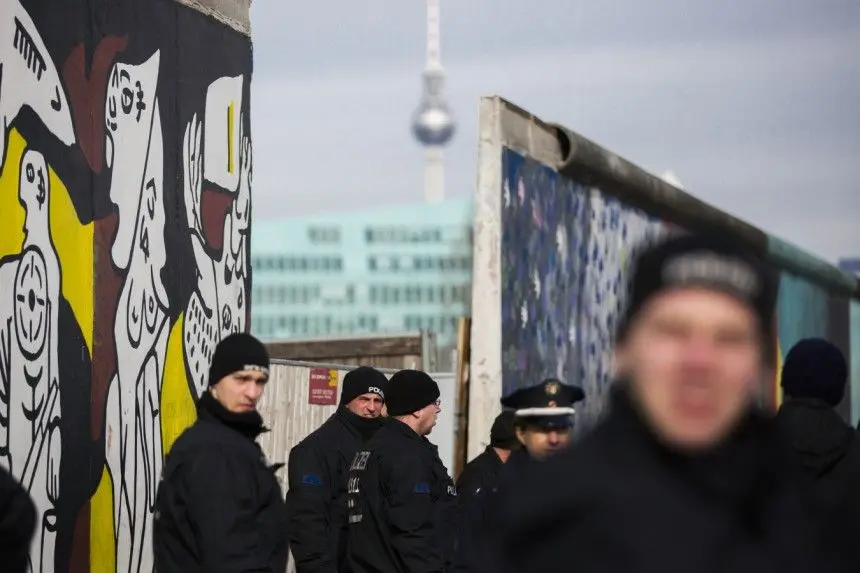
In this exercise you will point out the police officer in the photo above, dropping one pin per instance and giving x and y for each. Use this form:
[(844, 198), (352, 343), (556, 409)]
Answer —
[(480, 477), (483, 472), (318, 468), (402, 502), (219, 505), (685, 472), (17, 524), (543, 417)]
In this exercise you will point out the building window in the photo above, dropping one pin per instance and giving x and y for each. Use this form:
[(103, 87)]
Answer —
[(324, 235), (403, 235)]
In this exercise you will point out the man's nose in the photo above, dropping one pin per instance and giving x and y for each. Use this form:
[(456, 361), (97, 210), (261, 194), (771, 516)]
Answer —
[(254, 392), (700, 353)]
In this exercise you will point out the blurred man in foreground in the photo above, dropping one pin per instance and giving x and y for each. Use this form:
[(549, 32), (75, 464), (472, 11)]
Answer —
[(685, 473)]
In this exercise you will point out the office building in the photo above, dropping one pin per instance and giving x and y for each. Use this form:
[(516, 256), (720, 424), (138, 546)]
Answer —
[(391, 269)]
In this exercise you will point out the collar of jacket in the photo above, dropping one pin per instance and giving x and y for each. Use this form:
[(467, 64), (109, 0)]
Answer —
[(403, 428), (739, 471), (494, 455), (249, 424), (363, 427)]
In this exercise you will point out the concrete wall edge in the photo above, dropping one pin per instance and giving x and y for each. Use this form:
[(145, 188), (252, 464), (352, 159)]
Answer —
[(240, 22), (485, 364), (592, 164)]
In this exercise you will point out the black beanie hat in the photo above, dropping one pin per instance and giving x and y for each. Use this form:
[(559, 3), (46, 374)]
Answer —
[(502, 434), (707, 260), (238, 351), (363, 380), (408, 391), (815, 368)]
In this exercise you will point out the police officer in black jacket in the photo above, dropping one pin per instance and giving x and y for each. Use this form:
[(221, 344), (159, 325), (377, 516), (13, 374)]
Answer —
[(543, 418), (219, 505), (482, 473), (402, 502), (686, 472), (318, 467), (17, 524)]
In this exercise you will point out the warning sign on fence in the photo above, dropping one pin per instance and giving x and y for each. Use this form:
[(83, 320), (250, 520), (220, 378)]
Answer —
[(322, 387)]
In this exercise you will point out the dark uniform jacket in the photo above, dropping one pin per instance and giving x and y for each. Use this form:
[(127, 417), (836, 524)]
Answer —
[(219, 506), (827, 450), (316, 498), (475, 551), (17, 524), (479, 474), (479, 478), (402, 505), (620, 502)]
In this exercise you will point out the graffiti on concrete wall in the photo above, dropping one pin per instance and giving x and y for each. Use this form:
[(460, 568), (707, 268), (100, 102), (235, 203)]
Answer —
[(564, 274), (125, 174), (564, 254)]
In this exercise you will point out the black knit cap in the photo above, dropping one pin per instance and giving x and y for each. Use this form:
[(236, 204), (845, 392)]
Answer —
[(815, 368), (502, 434), (711, 261), (363, 380), (236, 352), (408, 391)]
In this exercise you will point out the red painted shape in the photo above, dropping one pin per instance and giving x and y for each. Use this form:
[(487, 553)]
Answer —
[(79, 560), (87, 95), (214, 206), (107, 288)]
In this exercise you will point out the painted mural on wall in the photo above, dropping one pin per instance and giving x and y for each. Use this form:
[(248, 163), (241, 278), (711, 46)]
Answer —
[(564, 274), (564, 253), (125, 175)]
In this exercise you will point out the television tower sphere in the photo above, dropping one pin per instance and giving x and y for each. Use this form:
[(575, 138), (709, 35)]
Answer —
[(433, 124)]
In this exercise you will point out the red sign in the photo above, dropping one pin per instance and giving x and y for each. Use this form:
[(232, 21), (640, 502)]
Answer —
[(322, 387)]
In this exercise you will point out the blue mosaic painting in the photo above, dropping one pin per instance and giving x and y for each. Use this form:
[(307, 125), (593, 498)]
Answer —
[(564, 265), (544, 246), (564, 260)]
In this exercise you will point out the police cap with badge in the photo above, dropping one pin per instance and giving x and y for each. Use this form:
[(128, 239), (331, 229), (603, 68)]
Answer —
[(547, 406)]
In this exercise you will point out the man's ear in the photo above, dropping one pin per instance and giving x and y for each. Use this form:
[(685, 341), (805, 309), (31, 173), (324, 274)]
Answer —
[(521, 434)]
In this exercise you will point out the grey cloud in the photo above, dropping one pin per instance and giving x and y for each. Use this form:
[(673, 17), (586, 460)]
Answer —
[(341, 34)]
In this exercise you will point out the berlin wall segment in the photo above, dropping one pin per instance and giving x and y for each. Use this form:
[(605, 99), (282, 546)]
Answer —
[(125, 202)]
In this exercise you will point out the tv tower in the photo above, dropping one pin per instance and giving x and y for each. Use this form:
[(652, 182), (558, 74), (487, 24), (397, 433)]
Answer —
[(433, 124)]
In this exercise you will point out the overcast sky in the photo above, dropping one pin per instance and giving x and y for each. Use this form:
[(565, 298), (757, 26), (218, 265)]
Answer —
[(754, 104)]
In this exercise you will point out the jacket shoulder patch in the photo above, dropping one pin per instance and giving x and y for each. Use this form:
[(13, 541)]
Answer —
[(421, 487)]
